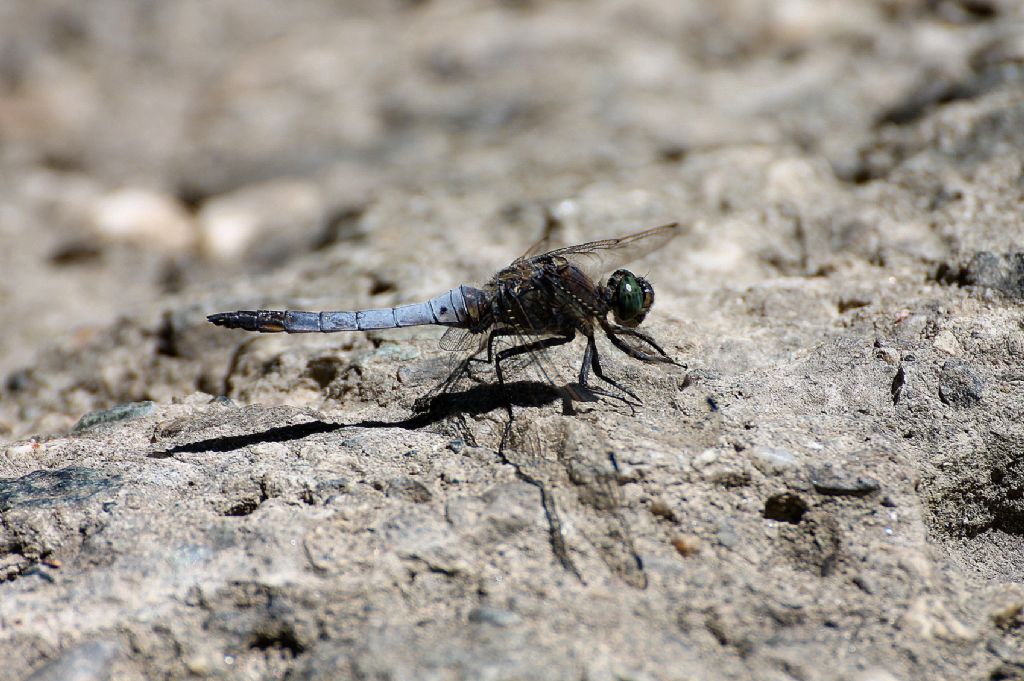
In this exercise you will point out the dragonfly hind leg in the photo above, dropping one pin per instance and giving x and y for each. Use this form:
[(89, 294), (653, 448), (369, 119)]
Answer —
[(497, 333), (507, 353), (494, 335)]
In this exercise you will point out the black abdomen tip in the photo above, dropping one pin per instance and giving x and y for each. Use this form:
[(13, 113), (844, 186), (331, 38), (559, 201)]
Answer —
[(225, 319), (264, 321)]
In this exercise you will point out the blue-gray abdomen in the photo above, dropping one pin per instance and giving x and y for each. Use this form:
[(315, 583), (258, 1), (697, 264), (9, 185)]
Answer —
[(456, 307)]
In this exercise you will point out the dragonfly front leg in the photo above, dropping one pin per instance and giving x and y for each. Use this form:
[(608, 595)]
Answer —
[(591, 360), (613, 335)]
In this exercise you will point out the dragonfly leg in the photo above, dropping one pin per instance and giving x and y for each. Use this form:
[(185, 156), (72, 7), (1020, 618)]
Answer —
[(501, 356), (613, 333), (490, 348), (497, 333), (475, 357), (591, 360)]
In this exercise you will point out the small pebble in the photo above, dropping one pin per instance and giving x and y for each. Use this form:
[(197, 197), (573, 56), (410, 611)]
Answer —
[(268, 218), (661, 509), (946, 342), (686, 544), (770, 460), (145, 217), (834, 482), (705, 458), (996, 271), (959, 386), (21, 449), (199, 665)]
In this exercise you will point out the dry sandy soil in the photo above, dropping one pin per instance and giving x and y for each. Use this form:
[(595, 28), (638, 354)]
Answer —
[(832, 488)]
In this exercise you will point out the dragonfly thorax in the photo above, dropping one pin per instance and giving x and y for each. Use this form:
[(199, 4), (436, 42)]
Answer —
[(630, 297)]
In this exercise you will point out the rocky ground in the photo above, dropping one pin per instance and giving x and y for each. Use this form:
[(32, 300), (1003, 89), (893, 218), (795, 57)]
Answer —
[(832, 488)]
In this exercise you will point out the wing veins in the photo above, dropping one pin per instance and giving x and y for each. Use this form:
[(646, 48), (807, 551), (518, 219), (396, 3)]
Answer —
[(595, 257)]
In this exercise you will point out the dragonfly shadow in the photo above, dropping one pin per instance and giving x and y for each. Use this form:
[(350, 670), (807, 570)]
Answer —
[(484, 398), (479, 399)]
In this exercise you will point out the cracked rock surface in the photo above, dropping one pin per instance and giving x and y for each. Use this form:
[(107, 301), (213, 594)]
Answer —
[(832, 487)]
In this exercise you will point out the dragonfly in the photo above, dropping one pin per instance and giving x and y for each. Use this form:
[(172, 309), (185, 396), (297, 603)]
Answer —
[(540, 301)]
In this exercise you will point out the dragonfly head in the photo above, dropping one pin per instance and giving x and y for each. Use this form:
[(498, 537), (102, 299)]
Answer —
[(631, 297)]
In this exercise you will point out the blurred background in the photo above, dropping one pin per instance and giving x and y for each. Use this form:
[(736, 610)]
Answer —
[(835, 475), (159, 149)]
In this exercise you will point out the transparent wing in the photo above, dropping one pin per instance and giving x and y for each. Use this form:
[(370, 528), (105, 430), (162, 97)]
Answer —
[(547, 238), (538, 364), (469, 368), (537, 248), (597, 257), (456, 339)]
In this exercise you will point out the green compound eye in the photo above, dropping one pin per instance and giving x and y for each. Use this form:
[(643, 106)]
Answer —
[(629, 299), (632, 297)]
